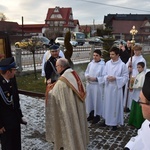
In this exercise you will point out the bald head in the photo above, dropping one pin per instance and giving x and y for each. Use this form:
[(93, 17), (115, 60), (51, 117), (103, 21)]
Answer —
[(61, 64)]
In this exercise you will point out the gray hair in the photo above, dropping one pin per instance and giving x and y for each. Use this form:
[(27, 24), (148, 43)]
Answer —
[(63, 62)]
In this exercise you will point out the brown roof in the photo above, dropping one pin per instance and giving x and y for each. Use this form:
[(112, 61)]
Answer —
[(33, 25), (85, 28), (32, 28), (121, 26), (65, 12), (9, 26)]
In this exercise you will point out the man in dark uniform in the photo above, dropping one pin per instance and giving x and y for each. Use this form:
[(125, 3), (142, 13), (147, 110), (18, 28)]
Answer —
[(10, 112), (50, 69)]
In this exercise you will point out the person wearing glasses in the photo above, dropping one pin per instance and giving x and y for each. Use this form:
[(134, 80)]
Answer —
[(51, 74), (136, 117), (66, 123), (141, 141), (10, 112), (47, 55)]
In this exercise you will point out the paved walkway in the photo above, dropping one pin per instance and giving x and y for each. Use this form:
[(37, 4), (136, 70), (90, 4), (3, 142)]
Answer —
[(101, 138)]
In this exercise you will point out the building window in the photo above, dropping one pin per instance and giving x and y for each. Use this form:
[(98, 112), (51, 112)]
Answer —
[(51, 23), (147, 30), (56, 9), (55, 29), (55, 16), (56, 23)]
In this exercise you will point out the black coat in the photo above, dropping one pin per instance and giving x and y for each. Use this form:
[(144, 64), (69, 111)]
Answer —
[(10, 115), (125, 55), (49, 71)]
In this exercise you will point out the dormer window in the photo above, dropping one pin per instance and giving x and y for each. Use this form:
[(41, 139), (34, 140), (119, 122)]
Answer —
[(56, 9)]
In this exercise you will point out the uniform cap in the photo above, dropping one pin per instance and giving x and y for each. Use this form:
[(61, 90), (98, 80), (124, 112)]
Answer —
[(7, 63), (54, 47)]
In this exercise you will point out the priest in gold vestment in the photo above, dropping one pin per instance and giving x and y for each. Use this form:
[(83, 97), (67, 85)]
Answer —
[(66, 123)]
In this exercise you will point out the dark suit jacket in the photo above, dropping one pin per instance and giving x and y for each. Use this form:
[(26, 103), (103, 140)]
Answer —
[(10, 115), (49, 72), (125, 55)]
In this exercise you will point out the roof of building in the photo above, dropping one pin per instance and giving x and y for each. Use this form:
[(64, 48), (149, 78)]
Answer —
[(32, 28), (85, 28), (63, 12), (123, 26), (133, 17), (9, 26)]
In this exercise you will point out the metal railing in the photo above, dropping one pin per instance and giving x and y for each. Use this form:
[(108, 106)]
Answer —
[(24, 58)]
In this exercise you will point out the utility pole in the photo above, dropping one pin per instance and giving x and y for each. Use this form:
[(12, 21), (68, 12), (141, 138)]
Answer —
[(22, 27)]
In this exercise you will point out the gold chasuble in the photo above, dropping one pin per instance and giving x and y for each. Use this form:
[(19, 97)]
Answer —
[(66, 120)]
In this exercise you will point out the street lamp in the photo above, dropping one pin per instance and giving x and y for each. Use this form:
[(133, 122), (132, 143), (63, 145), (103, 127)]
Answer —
[(133, 32)]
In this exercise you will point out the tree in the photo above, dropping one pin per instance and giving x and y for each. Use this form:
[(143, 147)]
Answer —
[(2, 17), (32, 47), (108, 41)]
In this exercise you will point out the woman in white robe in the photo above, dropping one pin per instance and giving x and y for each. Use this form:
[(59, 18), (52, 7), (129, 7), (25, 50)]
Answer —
[(94, 86)]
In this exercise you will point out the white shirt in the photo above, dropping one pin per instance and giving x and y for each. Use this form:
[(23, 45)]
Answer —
[(141, 141), (46, 57)]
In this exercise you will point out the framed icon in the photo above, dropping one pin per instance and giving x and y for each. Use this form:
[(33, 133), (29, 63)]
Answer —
[(5, 48)]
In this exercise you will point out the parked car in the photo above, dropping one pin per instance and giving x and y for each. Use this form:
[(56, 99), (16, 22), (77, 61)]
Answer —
[(45, 41), (118, 42), (60, 40), (26, 43), (74, 43), (95, 41)]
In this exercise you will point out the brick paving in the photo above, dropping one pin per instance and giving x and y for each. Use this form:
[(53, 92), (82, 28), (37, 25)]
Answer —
[(103, 138)]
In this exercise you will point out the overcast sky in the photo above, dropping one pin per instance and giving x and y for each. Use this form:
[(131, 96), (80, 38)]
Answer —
[(86, 11)]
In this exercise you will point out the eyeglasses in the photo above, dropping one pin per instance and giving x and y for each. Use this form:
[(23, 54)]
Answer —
[(144, 103), (54, 51), (57, 66)]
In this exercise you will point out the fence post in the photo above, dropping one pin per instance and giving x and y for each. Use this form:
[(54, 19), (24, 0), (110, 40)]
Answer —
[(18, 52), (91, 52)]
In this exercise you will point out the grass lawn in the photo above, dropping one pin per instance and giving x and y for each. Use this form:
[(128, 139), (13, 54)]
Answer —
[(147, 57), (29, 83)]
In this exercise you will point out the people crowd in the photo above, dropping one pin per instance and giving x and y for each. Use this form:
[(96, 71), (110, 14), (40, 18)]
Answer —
[(111, 87)]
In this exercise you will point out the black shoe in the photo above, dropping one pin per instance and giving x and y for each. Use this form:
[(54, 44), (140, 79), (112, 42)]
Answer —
[(91, 116), (114, 128), (23, 121), (103, 124), (96, 119), (126, 148), (126, 110)]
